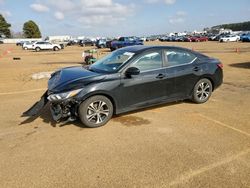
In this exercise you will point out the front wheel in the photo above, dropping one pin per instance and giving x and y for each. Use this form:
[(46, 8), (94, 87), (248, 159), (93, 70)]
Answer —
[(96, 111), (202, 91)]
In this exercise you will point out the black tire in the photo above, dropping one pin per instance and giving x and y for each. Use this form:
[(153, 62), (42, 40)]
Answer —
[(37, 49), (55, 48), (202, 91), (96, 111)]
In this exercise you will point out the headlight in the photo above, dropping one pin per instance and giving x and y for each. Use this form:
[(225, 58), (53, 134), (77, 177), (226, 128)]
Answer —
[(62, 96)]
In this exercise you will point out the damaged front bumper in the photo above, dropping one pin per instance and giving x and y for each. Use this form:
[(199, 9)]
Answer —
[(36, 109), (64, 111), (61, 110)]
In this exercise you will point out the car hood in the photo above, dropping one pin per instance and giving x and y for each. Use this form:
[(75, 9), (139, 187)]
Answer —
[(72, 78)]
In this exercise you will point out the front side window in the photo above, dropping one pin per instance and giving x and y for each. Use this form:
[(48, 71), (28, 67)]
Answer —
[(178, 57), (149, 61)]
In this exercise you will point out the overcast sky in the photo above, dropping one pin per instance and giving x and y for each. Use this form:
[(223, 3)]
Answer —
[(122, 17)]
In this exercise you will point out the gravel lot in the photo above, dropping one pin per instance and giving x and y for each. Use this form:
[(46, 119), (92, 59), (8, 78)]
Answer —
[(175, 145)]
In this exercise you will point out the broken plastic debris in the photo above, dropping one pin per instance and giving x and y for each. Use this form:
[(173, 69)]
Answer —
[(41, 75)]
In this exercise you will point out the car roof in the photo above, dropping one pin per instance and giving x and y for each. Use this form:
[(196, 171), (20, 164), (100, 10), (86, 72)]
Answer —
[(140, 48), (137, 49)]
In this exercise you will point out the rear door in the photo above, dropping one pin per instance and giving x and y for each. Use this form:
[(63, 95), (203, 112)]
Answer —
[(49, 45), (183, 67)]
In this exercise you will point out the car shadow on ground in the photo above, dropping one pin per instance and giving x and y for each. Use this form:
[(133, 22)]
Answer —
[(244, 65), (45, 115), (127, 119)]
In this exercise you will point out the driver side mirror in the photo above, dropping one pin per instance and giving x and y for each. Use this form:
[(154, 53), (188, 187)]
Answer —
[(132, 71)]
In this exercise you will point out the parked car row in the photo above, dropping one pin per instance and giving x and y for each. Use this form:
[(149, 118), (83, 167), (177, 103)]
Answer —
[(184, 39), (125, 41), (39, 45), (108, 43), (225, 37), (100, 43)]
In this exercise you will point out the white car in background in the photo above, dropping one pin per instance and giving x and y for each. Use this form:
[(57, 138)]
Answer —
[(28, 46), (230, 38), (44, 45)]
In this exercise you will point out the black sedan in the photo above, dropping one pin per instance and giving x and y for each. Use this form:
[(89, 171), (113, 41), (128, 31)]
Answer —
[(128, 79), (86, 42)]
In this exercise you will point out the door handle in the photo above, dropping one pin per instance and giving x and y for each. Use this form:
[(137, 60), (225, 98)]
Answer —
[(160, 76), (196, 69)]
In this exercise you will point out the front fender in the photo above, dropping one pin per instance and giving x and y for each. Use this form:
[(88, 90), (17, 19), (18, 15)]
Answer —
[(84, 95)]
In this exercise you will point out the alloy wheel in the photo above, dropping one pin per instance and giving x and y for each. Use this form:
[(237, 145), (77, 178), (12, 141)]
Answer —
[(97, 112), (203, 91)]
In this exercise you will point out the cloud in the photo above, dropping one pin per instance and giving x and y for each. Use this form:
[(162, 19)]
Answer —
[(63, 5), (181, 13), (176, 20), (39, 7), (179, 17), (91, 13), (151, 1), (170, 2), (59, 15), (97, 3), (105, 13), (5, 13)]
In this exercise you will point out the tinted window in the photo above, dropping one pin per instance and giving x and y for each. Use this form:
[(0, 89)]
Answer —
[(122, 39), (178, 57), (150, 61), (111, 62)]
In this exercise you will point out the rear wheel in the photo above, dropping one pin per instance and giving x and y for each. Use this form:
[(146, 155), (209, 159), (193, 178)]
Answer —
[(202, 91), (96, 111), (37, 49)]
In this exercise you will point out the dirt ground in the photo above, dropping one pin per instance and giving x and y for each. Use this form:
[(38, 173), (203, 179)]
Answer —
[(175, 145)]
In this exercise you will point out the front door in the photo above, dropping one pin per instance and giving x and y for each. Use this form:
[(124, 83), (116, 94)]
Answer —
[(147, 87)]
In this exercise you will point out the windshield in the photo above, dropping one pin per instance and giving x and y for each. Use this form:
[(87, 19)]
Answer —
[(111, 62)]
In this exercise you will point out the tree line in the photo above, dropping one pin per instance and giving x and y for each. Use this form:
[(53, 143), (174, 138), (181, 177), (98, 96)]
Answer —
[(30, 29), (242, 26)]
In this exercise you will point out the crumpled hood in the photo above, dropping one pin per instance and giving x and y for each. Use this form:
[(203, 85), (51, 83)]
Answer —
[(71, 78)]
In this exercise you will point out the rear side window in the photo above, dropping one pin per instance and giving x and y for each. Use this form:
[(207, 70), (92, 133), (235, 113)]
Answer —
[(178, 57)]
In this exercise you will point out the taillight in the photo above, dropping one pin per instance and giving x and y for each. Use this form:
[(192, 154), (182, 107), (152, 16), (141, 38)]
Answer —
[(220, 65)]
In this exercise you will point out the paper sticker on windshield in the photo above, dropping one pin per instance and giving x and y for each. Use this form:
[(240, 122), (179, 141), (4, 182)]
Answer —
[(129, 53)]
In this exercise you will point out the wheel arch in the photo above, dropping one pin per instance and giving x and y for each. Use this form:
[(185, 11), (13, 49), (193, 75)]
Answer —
[(103, 93)]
